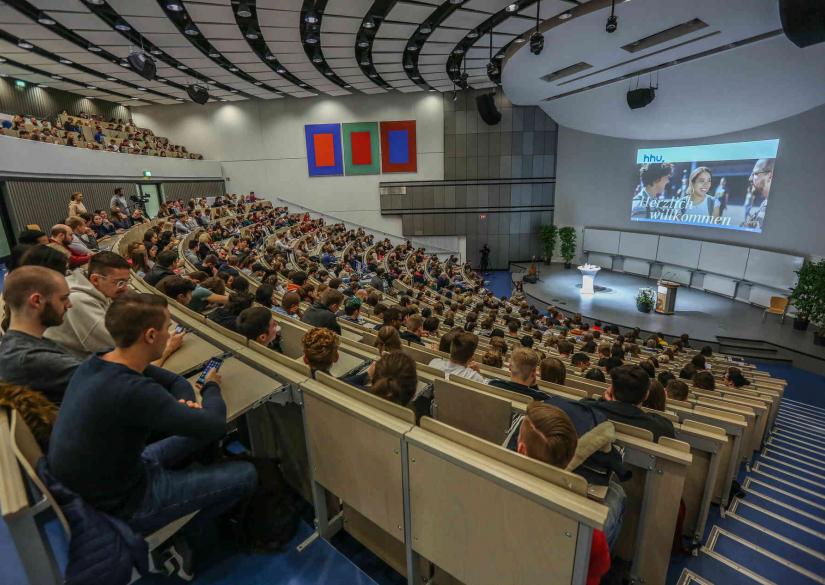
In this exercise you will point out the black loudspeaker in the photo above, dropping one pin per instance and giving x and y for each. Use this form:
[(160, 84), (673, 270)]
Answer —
[(143, 65), (487, 109), (639, 98), (198, 93), (803, 21)]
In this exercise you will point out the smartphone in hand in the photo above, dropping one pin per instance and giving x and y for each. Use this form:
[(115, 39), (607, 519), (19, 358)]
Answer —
[(213, 364)]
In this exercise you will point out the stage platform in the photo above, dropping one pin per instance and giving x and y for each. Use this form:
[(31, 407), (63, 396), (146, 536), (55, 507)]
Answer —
[(733, 326)]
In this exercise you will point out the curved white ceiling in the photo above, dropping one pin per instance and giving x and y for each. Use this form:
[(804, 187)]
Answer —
[(731, 90)]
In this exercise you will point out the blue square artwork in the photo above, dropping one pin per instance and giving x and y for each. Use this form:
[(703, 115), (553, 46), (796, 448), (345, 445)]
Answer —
[(399, 147)]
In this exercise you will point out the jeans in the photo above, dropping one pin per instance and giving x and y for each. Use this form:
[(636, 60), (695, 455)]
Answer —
[(171, 494), (615, 502)]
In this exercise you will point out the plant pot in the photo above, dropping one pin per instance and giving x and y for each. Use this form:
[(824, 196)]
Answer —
[(567, 265), (642, 308), (819, 337), (800, 324)]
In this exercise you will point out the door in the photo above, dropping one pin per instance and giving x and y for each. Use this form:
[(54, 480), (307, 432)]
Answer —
[(152, 195)]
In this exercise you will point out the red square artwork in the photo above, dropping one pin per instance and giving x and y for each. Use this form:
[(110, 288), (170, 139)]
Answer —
[(324, 150), (361, 148)]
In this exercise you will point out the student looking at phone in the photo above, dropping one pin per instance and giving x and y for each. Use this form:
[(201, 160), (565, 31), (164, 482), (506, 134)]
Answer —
[(115, 401)]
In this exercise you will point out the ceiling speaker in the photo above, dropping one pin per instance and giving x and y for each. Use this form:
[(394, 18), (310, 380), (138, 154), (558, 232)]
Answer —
[(639, 98), (143, 65), (487, 109), (803, 21), (198, 93)]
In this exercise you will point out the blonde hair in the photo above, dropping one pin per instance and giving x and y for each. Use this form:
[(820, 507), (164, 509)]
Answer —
[(523, 362)]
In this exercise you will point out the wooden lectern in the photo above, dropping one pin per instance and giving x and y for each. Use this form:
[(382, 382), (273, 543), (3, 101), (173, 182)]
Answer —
[(666, 296)]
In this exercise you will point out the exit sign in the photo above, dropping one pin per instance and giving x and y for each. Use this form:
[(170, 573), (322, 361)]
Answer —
[(147, 174)]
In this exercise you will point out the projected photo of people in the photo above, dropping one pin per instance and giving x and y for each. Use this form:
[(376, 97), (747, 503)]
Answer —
[(720, 185)]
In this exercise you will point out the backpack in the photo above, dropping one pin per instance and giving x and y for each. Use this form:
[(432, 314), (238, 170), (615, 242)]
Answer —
[(269, 518)]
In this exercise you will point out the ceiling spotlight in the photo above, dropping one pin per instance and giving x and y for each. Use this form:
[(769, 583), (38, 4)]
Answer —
[(111, 79), (270, 57), (280, 70), (431, 89), (233, 91), (90, 87), (313, 40), (373, 75), (565, 16), (500, 56), (365, 63), (369, 23), (155, 51), (317, 60), (65, 62), (303, 85), (24, 44), (472, 34), (45, 19), (458, 51), (56, 77), (3, 59), (456, 1), (161, 79), (363, 44), (182, 66), (512, 7), (191, 30), (612, 20), (258, 83), (94, 2), (425, 29), (94, 49), (536, 43), (212, 82), (519, 40), (233, 69), (409, 66), (179, 99), (223, 100), (311, 18), (214, 54), (122, 26), (252, 36), (329, 72), (412, 48), (172, 6), (124, 64), (243, 10), (141, 89)]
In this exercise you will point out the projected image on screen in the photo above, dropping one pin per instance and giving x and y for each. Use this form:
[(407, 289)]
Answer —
[(716, 185)]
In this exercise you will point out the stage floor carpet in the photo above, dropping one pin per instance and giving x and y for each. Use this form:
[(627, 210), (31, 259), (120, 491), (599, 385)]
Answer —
[(703, 316)]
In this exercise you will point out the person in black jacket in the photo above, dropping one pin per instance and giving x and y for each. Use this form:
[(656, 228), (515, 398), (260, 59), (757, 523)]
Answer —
[(523, 362), (622, 400), (165, 266), (227, 315), (322, 312), (414, 329)]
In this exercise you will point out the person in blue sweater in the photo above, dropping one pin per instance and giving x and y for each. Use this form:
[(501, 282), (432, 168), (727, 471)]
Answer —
[(116, 401)]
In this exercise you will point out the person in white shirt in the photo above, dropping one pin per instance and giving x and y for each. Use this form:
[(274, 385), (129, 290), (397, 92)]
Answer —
[(461, 363)]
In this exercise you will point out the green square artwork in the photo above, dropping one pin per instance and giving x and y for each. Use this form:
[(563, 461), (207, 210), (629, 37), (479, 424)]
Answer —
[(361, 148)]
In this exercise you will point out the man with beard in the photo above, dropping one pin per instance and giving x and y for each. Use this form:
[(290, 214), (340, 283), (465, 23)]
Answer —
[(37, 299), (761, 178)]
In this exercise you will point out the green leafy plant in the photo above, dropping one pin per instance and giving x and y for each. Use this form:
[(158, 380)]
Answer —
[(567, 236), (645, 300), (549, 235), (808, 296)]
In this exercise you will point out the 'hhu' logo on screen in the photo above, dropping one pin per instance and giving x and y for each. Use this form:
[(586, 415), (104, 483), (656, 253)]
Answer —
[(653, 158)]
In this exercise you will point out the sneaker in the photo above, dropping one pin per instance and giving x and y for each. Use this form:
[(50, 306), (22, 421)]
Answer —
[(175, 558)]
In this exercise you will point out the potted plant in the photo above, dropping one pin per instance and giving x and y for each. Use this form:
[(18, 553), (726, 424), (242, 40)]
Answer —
[(549, 234), (645, 300), (567, 237), (807, 295)]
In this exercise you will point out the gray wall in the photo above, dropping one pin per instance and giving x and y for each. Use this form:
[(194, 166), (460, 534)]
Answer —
[(499, 182), (47, 102), (596, 174)]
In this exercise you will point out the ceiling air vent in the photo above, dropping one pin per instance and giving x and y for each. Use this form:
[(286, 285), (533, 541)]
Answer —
[(566, 72), (666, 35)]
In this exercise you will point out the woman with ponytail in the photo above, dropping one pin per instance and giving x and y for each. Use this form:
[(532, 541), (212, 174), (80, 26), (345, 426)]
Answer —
[(320, 350), (394, 378)]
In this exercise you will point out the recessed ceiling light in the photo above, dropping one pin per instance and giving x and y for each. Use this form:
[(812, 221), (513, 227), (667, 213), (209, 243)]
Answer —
[(456, 1), (347, 87), (373, 75), (431, 89), (141, 89), (317, 60), (270, 57), (179, 99), (458, 51), (212, 82), (94, 2), (90, 87), (156, 51), (214, 54), (56, 77), (409, 66), (365, 62), (243, 10), (124, 64), (65, 61), (233, 69), (280, 70), (500, 56), (122, 26), (181, 66), (191, 30), (111, 79), (303, 85), (512, 7), (252, 36), (564, 15), (519, 40), (24, 44), (364, 44), (311, 18), (233, 91), (312, 40), (472, 35), (329, 73), (94, 49), (416, 77), (174, 6), (45, 19), (369, 23), (161, 79)]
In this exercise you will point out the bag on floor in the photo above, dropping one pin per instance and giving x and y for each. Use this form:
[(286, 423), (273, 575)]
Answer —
[(268, 519)]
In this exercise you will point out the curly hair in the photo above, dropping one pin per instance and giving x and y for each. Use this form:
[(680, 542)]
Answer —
[(320, 348), (39, 413), (387, 339), (395, 378)]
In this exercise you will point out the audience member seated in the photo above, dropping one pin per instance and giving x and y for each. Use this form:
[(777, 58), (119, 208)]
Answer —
[(462, 348), (166, 264), (735, 379), (414, 329), (320, 349), (677, 390), (622, 400), (37, 298), (391, 316), (553, 370), (548, 434), (117, 400), (523, 364), (290, 305), (322, 312), (704, 381), (352, 311), (394, 378), (565, 349), (595, 374), (61, 238), (257, 324), (227, 315), (492, 358), (581, 361), (656, 397)]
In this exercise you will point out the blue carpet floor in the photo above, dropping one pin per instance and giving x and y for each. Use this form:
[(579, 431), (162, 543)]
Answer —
[(499, 282)]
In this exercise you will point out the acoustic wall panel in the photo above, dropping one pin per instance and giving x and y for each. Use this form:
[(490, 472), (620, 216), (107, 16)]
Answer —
[(603, 260), (642, 246), (761, 295), (676, 274), (635, 266), (679, 251), (772, 269), (723, 259), (606, 241), (720, 284)]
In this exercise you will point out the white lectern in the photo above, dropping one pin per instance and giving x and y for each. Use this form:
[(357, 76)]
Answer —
[(588, 274)]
